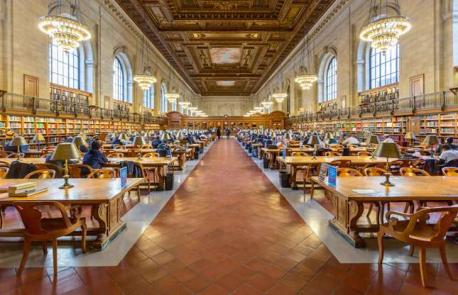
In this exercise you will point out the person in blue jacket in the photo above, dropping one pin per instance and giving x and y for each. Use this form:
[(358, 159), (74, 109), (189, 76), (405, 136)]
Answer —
[(94, 157)]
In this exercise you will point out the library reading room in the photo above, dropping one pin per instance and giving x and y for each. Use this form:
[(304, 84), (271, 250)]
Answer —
[(239, 147)]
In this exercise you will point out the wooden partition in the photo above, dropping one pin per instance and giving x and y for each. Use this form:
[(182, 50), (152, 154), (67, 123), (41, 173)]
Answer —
[(274, 120)]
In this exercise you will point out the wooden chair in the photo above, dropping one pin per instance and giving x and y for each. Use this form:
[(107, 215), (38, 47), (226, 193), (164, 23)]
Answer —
[(299, 154), (410, 171), (364, 154), (450, 171), (38, 229), (345, 172), (151, 155), (3, 171), (59, 171), (115, 155), (374, 171), (332, 154), (14, 155), (102, 173), (41, 174), (417, 232), (341, 163), (77, 170)]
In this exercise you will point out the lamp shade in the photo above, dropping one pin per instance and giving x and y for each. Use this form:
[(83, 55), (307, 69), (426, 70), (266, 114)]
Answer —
[(373, 139), (430, 140), (65, 151), (314, 139), (18, 141), (410, 136), (79, 141), (38, 138), (139, 141), (387, 150), (123, 136)]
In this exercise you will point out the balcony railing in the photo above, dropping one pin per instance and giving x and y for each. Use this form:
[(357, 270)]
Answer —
[(433, 102), (16, 103)]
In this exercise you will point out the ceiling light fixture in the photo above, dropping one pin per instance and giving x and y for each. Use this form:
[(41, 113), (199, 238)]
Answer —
[(386, 24)]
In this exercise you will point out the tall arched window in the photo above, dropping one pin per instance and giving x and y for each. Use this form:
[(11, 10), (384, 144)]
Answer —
[(164, 101), (148, 98), (122, 78), (330, 80), (65, 67), (383, 67)]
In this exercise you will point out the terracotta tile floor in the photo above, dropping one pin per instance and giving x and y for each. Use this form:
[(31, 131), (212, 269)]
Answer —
[(228, 231)]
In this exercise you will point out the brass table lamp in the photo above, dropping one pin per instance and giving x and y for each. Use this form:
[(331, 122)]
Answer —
[(410, 136), (371, 141), (17, 141), (387, 150), (430, 141), (38, 138), (64, 152), (315, 141), (139, 141), (79, 141)]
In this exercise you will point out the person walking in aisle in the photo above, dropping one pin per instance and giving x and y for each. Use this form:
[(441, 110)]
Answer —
[(218, 133)]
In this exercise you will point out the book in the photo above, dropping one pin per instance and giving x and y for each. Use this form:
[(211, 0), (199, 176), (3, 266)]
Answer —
[(22, 186), (28, 193)]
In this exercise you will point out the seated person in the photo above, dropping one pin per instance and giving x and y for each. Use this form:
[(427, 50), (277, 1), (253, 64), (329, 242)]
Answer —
[(351, 140), (449, 143), (448, 155), (388, 139), (95, 158), (156, 142)]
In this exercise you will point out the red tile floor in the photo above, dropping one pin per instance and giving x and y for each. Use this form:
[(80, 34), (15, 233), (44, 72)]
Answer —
[(228, 231)]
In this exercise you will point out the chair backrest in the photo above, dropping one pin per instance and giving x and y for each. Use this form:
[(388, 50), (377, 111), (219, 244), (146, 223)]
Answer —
[(151, 155), (31, 216), (450, 171), (374, 171), (364, 153), (341, 163), (103, 173), (13, 155), (420, 218), (332, 154), (299, 154), (41, 174), (79, 170), (345, 172), (3, 171), (410, 171), (115, 155)]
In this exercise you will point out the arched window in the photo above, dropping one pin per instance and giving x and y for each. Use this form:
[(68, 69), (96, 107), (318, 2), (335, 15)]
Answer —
[(148, 98), (174, 106), (383, 67), (330, 80), (122, 78), (65, 67), (164, 101)]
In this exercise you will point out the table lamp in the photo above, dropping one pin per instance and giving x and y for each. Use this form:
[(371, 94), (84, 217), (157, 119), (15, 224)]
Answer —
[(315, 141), (79, 141), (64, 152), (387, 150), (38, 138), (431, 141), (410, 136), (17, 141), (372, 140)]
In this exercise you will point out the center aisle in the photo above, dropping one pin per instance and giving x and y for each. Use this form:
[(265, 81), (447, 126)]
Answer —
[(226, 230)]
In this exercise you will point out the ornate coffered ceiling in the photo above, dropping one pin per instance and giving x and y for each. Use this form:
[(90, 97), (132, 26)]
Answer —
[(225, 47)]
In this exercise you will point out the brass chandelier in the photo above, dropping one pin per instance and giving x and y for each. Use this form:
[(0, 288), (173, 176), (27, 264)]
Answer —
[(146, 79), (386, 24), (63, 26), (305, 79)]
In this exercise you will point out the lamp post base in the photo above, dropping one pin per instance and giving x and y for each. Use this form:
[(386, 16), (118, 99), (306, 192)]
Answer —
[(387, 181)]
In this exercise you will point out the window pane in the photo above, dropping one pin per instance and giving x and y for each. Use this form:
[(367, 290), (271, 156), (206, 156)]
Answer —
[(63, 66), (383, 67), (330, 81)]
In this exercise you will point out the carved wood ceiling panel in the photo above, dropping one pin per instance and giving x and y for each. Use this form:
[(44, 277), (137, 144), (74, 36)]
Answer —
[(237, 41)]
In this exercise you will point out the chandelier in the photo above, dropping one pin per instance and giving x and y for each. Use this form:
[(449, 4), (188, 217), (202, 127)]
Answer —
[(266, 104), (386, 25), (172, 97), (145, 80), (64, 28), (279, 97), (306, 81)]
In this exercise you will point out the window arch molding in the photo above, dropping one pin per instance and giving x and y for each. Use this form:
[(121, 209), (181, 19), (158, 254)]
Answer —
[(121, 56), (329, 56), (164, 101)]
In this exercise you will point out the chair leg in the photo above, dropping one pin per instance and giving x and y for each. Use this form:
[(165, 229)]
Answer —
[(381, 246), (54, 256), (445, 262), (83, 236), (411, 250), (25, 256), (369, 210), (422, 259)]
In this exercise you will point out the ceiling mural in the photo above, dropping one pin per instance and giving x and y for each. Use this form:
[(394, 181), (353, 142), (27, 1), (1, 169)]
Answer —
[(225, 47)]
